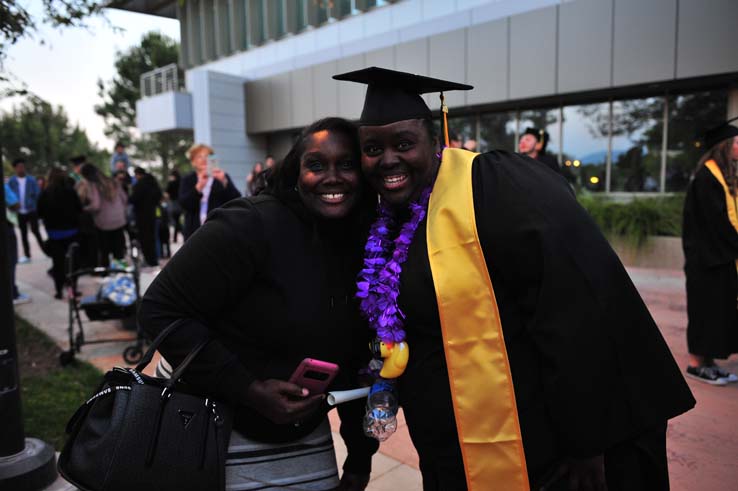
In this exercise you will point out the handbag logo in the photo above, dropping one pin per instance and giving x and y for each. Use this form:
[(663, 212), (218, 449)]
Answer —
[(186, 417)]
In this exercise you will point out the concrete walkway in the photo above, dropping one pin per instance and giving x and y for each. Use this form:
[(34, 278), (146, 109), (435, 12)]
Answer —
[(702, 444)]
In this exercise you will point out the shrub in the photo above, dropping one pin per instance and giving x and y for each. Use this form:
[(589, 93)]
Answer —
[(638, 219)]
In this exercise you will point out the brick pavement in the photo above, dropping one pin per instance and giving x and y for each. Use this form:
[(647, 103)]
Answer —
[(702, 444)]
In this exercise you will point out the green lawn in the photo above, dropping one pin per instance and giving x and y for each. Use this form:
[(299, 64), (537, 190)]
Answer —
[(50, 393)]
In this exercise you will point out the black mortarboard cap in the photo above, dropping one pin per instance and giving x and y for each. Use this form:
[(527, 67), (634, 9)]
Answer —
[(540, 134), (79, 159), (721, 132), (393, 96)]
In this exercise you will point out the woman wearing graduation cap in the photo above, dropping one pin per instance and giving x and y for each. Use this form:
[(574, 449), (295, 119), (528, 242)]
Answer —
[(710, 241), (532, 359)]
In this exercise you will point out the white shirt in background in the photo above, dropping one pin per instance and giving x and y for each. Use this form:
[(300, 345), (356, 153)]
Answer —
[(204, 200), (22, 195)]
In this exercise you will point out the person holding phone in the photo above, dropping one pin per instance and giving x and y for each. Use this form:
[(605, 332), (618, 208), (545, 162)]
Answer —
[(269, 280), (204, 189)]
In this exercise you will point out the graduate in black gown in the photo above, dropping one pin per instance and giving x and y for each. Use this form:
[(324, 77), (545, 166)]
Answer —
[(533, 143), (710, 241), (594, 382)]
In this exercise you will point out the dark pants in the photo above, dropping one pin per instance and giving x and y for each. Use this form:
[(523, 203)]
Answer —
[(12, 258), (146, 233), (638, 464), (23, 222), (112, 243), (58, 252), (177, 222)]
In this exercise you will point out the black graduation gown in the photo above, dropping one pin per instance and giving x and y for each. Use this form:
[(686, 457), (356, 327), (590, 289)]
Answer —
[(710, 249), (270, 286), (550, 161), (589, 365)]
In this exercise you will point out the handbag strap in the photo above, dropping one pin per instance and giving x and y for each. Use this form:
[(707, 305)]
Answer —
[(177, 374), (156, 343)]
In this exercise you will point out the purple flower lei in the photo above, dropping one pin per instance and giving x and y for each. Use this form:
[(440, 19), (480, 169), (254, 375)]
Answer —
[(378, 284)]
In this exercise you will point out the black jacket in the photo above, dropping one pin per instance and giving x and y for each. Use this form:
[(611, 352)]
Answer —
[(59, 208), (145, 197), (270, 286), (189, 198)]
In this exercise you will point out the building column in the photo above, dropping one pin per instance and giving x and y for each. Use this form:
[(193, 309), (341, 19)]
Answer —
[(219, 117)]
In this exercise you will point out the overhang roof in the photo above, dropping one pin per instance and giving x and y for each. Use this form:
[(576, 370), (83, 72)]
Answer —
[(161, 8)]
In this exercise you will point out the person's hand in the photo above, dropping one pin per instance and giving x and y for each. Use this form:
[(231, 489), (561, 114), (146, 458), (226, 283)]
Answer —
[(202, 180), (282, 402), (220, 175), (583, 474), (353, 482)]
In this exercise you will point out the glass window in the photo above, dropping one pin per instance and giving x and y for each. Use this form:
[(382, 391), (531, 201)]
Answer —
[(257, 26), (585, 136), (342, 8), (497, 132), (462, 131), (275, 16), (318, 12), (637, 132), (689, 116)]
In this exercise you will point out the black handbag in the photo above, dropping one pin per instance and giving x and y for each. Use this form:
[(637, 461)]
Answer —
[(141, 432)]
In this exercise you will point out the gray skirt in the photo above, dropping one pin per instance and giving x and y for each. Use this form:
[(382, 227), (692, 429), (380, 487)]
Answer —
[(306, 464)]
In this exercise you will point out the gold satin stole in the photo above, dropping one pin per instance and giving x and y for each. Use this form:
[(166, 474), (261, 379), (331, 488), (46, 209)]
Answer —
[(478, 369)]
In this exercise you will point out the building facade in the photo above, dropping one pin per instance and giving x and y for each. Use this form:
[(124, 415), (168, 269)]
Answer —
[(623, 87)]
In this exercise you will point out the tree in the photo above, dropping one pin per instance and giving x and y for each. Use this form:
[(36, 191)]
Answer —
[(42, 133), (121, 93), (16, 23)]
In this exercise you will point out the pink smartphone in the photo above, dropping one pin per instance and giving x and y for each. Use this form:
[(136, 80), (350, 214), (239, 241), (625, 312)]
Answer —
[(314, 375)]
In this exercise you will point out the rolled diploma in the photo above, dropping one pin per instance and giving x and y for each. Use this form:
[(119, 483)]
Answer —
[(340, 396)]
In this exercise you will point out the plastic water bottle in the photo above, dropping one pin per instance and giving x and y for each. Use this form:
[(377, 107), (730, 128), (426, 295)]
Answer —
[(380, 421)]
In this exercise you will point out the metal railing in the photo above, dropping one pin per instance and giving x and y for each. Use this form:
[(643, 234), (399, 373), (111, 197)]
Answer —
[(159, 80)]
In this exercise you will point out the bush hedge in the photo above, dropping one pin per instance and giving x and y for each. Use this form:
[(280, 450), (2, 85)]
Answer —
[(638, 219)]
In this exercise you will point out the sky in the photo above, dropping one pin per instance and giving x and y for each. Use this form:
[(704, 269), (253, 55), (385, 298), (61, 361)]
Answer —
[(64, 71)]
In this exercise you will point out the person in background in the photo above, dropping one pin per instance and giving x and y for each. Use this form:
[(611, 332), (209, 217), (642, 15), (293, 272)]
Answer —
[(119, 159), (41, 181), (77, 163), (454, 140), (106, 201), (269, 162), (12, 204), (163, 248), (89, 246), (60, 208), (251, 179), (173, 206), (710, 242), (27, 190), (269, 281), (145, 197), (204, 189), (533, 144)]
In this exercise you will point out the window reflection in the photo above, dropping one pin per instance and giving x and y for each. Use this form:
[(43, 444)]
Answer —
[(689, 116), (637, 133), (585, 137), (462, 132), (497, 132)]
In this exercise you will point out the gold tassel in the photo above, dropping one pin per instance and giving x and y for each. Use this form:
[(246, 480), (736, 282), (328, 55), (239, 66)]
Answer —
[(444, 110)]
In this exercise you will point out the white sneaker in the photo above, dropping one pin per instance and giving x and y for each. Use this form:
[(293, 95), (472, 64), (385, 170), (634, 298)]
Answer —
[(24, 260), (21, 299), (725, 375)]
